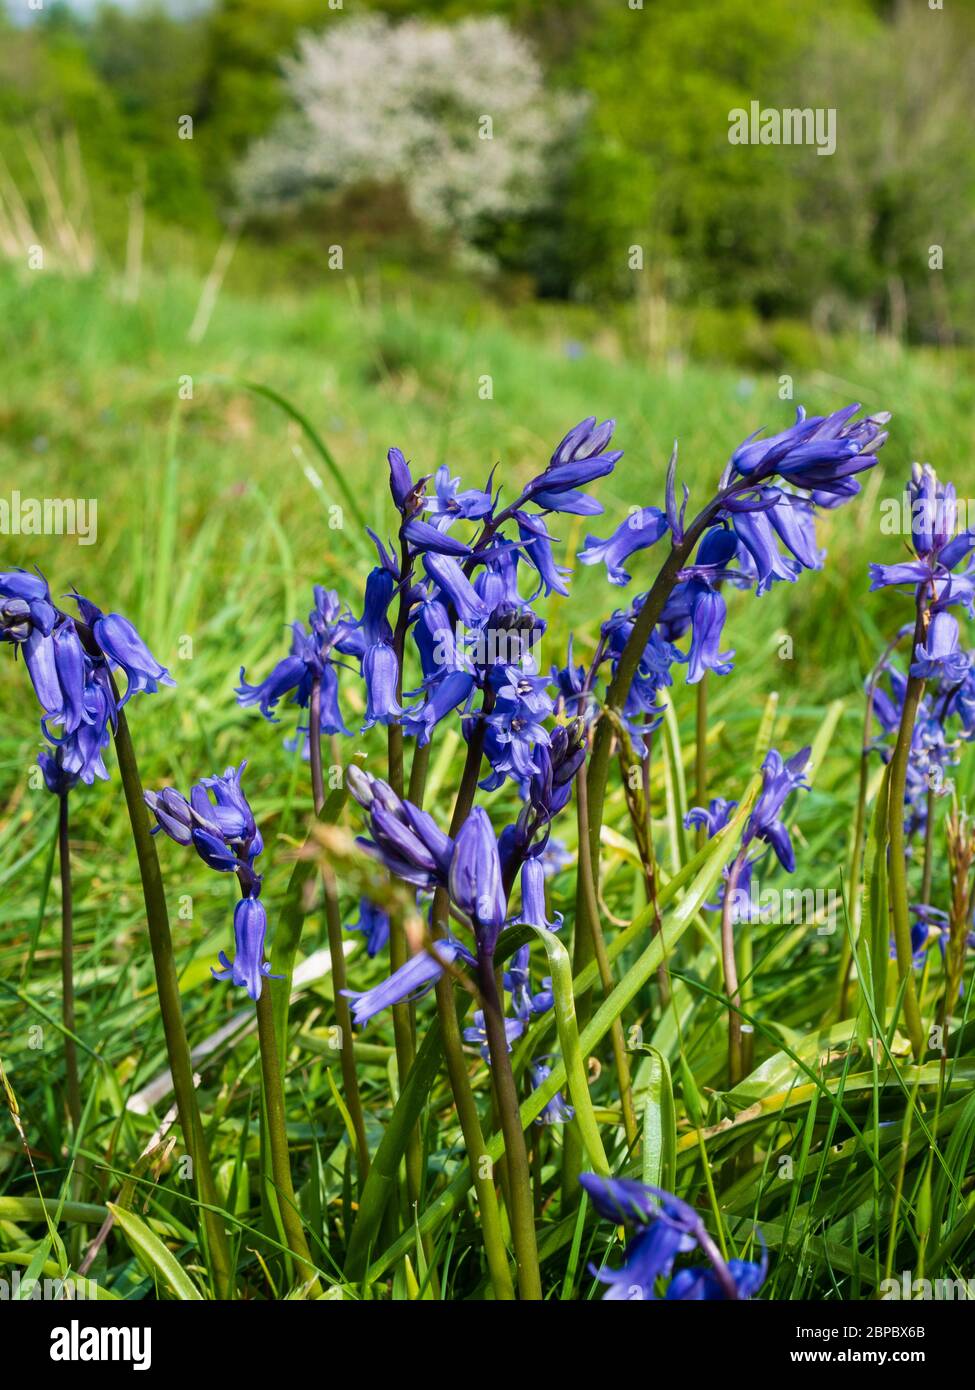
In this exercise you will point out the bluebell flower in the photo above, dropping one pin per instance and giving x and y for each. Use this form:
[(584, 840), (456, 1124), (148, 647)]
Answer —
[(642, 528), (449, 579), (248, 968), (405, 839), (556, 1111), (443, 695), (938, 551), (380, 671), (717, 815), (436, 641), (702, 1282), (708, 613), (779, 780), (311, 658), (939, 656), (821, 452), (538, 552), (25, 603), (58, 780), (122, 646), (411, 982), (664, 1227), (475, 880), (580, 458), (533, 911), (373, 923), (476, 1033), (424, 538), (219, 823), (407, 495), (452, 501)]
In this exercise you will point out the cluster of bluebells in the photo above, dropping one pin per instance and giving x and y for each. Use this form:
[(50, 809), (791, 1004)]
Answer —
[(764, 829), (663, 1227), (477, 870), (758, 531), (463, 605), (217, 821), (454, 598), (940, 578), (70, 662)]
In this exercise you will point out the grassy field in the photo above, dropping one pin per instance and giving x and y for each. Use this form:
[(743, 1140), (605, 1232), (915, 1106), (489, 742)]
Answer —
[(216, 513)]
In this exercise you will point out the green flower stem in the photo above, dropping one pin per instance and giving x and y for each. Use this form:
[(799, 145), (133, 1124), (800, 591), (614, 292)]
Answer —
[(167, 986), (277, 1139), (900, 910), (928, 870), (453, 1048), (521, 1210), (333, 920), (594, 922), (418, 773), (731, 989), (701, 754), (404, 1024), (67, 969), (628, 663), (598, 775), (470, 1124)]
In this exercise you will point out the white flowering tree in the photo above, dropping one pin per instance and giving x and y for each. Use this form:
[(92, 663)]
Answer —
[(457, 115)]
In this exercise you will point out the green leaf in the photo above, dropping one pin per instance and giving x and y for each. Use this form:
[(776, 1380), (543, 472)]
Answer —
[(153, 1254), (659, 1125)]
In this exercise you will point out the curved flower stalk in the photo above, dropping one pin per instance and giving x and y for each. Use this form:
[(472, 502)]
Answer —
[(217, 821), (941, 576), (662, 1228), (60, 783)]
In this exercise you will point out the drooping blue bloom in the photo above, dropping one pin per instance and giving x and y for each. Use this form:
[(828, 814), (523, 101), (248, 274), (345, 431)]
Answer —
[(533, 911), (940, 656), (219, 823), (702, 1282), (452, 501), (451, 689), (476, 1033), (475, 880), (708, 613), (411, 982), (933, 512), (556, 1111), (25, 603), (58, 780), (717, 815), (642, 528), (427, 539), (123, 647), (248, 968), (373, 923), (406, 840), (779, 780), (380, 671), (538, 552), (664, 1227), (580, 458), (311, 658), (451, 581), (819, 453)]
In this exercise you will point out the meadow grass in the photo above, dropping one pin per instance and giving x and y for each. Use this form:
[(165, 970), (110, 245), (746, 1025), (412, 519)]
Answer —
[(217, 512)]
